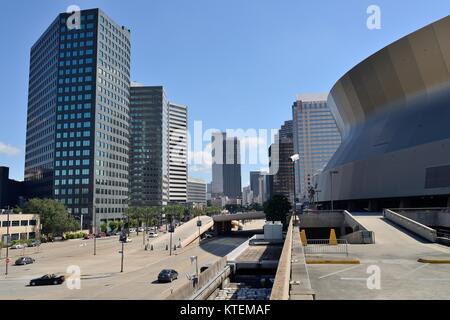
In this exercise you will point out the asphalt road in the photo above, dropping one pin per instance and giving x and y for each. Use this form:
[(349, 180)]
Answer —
[(100, 274)]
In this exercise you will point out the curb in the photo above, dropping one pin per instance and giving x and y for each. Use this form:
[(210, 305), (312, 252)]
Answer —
[(434, 261)]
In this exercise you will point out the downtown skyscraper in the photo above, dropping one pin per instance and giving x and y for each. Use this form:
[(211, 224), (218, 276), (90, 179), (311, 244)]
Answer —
[(158, 148), (77, 124), (226, 166), (316, 138)]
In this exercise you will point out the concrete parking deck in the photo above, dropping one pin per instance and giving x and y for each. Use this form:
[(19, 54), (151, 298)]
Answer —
[(389, 269)]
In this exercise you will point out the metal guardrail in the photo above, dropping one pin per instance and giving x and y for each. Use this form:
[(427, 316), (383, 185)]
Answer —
[(323, 246)]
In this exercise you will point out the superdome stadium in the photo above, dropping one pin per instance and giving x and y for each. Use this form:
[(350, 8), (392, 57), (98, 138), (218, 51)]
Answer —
[(393, 111)]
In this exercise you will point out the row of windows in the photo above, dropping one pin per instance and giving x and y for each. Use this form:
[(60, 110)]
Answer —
[(71, 172), (71, 153), (77, 162), (76, 36), (17, 223), (70, 182)]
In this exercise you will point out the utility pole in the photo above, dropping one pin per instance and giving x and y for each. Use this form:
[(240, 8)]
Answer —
[(95, 232), (81, 223), (121, 262)]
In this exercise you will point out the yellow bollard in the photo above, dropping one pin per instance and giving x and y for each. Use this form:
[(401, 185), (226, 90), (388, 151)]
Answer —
[(303, 237), (333, 240)]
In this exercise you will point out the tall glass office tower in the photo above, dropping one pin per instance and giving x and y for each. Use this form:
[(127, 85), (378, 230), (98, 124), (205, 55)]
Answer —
[(77, 123), (316, 138), (149, 170)]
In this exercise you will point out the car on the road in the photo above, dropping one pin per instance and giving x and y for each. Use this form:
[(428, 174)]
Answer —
[(124, 238), (48, 279), (23, 261), (18, 246), (35, 243), (167, 275), (152, 234), (205, 267), (141, 229)]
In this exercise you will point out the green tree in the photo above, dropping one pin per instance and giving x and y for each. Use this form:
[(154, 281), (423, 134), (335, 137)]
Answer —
[(103, 227), (213, 210), (277, 209), (54, 216), (120, 225), (113, 225)]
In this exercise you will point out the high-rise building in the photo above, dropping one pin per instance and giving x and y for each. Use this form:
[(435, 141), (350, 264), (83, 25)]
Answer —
[(280, 163), (254, 183), (196, 191), (158, 147), (226, 166), (247, 196), (177, 153), (316, 138), (149, 170), (77, 122)]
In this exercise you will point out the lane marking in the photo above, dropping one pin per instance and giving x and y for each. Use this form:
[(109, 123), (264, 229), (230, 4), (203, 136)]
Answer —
[(343, 270), (412, 271)]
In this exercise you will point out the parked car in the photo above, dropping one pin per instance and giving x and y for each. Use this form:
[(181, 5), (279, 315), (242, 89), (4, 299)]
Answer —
[(18, 246), (141, 229), (132, 230), (167, 275), (205, 267), (152, 234), (35, 243), (88, 236), (101, 235), (23, 261), (48, 279)]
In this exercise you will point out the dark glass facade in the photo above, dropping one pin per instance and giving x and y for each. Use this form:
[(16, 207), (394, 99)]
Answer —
[(77, 128), (148, 146)]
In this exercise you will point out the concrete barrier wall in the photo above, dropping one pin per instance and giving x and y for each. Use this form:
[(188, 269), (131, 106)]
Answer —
[(187, 290), (411, 225), (300, 288), (232, 256), (352, 222), (185, 242), (360, 237), (322, 220), (281, 284)]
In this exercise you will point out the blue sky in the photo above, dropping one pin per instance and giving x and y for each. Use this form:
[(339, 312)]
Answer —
[(235, 63)]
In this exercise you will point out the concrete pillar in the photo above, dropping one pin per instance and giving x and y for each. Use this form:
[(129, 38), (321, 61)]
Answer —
[(405, 203), (374, 206)]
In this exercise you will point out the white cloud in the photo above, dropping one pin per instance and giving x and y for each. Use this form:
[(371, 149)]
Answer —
[(200, 161), (8, 149)]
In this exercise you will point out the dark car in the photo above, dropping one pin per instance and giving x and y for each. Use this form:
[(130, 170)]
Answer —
[(48, 279), (23, 261), (167, 275), (35, 243)]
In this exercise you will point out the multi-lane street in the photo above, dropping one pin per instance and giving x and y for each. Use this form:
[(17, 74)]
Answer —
[(100, 274)]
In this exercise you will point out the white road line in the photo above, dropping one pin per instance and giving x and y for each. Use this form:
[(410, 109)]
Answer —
[(357, 279), (414, 270), (434, 279), (343, 270)]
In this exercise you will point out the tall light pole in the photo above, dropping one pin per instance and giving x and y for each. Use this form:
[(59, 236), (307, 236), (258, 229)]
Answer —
[(95, 230), (7, 243), (294, 159), (331, 187), (195, 258)]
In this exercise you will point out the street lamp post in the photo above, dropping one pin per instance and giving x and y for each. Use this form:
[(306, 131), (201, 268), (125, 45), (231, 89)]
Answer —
[(331, 187), (7, 244), (294, 159), (195, 258), (95, 231)]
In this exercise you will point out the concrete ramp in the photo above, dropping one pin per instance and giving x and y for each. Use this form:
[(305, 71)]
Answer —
[(385, 232)]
